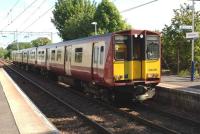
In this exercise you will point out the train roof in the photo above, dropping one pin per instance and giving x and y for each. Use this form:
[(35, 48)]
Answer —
[(81, 40), (96, 38)]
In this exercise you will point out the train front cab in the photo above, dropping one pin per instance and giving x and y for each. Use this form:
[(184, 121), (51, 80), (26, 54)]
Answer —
[(136, 64)]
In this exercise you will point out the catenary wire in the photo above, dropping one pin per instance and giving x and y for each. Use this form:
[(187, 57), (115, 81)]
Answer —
[(28, 7), (35, 11), (37, 19), (138, 6)]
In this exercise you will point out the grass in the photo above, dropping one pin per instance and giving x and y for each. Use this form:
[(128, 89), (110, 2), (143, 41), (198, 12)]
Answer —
[(184, 73)]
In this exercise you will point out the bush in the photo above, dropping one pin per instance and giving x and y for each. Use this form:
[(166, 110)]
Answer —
[(184, 73), (196, 75)]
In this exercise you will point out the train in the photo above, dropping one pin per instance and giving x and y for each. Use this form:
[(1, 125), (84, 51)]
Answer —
[(124, 63)]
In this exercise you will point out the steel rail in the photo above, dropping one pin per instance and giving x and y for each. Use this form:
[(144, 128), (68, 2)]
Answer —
[(172, 115), (133, 117), (138, 118), (102, 129)]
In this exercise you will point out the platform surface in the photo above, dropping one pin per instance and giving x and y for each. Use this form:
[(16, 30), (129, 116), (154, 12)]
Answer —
[(17, 113), (6, 117), (181, 83)]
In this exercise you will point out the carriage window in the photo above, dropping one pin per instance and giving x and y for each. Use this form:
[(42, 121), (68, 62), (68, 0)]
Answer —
[(42, 55), (137, 47), (33, 56), (78, 55), (101, 55), (58, 55), (39, 55), (24, 55), (121, 42), (152, 49), (96, 53), (52, 55)]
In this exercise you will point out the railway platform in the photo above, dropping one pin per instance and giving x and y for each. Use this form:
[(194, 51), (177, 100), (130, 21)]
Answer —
[(18, 115), (180, 92)]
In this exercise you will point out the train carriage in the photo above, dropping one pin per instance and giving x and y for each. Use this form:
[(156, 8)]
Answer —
[(17, 56), (125, 62), (32, 56), (41, 57)]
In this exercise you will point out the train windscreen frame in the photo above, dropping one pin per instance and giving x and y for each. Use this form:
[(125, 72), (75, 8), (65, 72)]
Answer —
[(121, 47), (152, 47)]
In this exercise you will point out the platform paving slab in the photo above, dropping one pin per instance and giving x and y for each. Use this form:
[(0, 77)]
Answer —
[(27, 117), (7, 121)]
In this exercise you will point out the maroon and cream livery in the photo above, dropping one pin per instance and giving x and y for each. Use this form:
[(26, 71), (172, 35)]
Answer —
[(116, 62)]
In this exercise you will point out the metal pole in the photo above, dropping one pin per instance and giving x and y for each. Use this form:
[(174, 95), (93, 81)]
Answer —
[(192, 66), (95, 26), (95, 29), (51, 37), (17, 41)]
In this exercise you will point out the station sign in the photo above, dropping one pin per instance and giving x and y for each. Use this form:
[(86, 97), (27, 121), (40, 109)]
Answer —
[(192, 35), (185, 27)]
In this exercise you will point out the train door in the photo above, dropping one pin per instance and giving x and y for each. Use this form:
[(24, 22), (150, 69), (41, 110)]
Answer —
[(68, 50), (98, 61), (138, 55), (47, 58)]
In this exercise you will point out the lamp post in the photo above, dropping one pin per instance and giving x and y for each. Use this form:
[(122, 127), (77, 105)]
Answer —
[(95, 26), (192, 66)]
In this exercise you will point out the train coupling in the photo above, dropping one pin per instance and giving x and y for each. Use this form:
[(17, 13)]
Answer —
[(147, 94)]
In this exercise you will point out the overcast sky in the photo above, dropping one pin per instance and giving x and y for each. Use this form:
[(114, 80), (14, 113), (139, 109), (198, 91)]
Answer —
[(36, 18)]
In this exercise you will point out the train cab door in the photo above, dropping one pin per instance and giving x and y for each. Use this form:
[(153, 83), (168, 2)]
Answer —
[(67, 58), (138, 46), (98, 61), (48, 58)]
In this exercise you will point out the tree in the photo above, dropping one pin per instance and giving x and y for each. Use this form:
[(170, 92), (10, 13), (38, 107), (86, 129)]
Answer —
[(176, 48), (108, 18), (21, 45), (41, 41), (14, 46), (2, 52), (73, 18)]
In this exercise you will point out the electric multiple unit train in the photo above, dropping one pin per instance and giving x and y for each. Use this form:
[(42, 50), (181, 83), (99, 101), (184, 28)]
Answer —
[(124, 63)]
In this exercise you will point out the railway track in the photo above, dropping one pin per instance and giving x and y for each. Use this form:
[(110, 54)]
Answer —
[(132, 116), (113, 122), (164, 121), (170, 113), (57, 102)]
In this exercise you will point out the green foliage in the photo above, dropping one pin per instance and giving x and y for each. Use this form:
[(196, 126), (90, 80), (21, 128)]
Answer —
[(196, 74), (22, 45), (13, 46), (40, 42), (108, 18), (173, 40), (2, 52), (184, 73), (73, 18)]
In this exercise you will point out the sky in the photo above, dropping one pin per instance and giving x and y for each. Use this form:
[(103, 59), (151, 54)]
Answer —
[(35, 16)]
